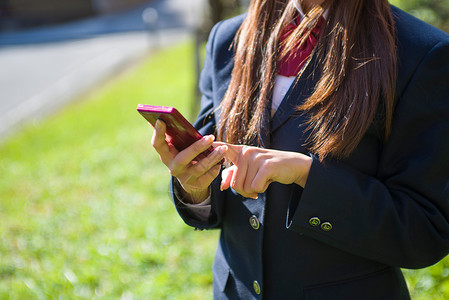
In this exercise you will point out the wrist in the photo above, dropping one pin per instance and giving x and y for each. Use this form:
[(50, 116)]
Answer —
[(305, 163), (195, 197), (192, 196)]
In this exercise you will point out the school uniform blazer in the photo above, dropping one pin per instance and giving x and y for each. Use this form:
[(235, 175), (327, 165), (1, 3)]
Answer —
[(359, 219)]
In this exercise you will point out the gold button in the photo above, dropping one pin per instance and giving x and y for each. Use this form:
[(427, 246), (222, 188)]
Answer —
[(254, 222), (256, 287), (314, 221), (326, 226)]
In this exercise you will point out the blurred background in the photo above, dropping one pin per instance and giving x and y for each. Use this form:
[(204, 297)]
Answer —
[(84, 205)]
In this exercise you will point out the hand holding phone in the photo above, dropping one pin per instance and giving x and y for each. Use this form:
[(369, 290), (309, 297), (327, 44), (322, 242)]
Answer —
[(195, 178)]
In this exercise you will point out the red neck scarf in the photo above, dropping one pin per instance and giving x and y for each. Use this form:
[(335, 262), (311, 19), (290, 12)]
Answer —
[(292, 62)]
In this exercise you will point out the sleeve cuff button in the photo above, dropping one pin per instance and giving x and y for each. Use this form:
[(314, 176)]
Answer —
[(326, 226), (314, 222)]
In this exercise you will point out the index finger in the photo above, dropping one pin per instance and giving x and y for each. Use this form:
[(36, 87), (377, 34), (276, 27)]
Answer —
[(186, 156), (233, 151)]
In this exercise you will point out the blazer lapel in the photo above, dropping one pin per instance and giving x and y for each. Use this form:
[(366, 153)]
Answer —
[(298, 92)]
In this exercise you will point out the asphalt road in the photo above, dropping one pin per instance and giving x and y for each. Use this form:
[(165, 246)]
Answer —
[(43, 69)]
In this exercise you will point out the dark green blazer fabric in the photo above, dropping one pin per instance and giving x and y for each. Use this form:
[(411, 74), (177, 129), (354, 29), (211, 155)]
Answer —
[(385, 207)]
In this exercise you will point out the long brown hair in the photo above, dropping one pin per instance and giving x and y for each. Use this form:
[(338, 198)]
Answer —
[(356, 57)]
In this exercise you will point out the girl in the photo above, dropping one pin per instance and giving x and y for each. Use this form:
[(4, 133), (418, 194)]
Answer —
[(334, 119)]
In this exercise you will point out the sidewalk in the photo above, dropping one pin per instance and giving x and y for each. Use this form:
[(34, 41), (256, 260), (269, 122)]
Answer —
[(45, 68)]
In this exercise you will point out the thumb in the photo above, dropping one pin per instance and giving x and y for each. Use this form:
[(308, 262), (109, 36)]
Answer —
[(226, 176)]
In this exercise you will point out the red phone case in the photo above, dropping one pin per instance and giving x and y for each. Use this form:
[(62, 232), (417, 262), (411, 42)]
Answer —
[(179, 131)]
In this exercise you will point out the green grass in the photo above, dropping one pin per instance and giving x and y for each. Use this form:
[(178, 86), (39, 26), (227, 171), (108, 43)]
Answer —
[(84, 205), (84, 209)]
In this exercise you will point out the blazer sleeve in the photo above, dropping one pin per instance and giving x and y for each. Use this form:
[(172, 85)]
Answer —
[(401, 216), (205, 124)]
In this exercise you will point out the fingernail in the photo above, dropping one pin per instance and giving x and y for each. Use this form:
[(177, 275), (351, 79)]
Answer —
[(158, 124), (221, 186), (208, 138), (256, 197), (222, 149)]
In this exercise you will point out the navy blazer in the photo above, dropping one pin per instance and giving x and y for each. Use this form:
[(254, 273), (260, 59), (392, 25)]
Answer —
[(359, 219)]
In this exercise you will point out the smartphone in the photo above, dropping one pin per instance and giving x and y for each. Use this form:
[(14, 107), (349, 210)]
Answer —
[(180, 133)]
